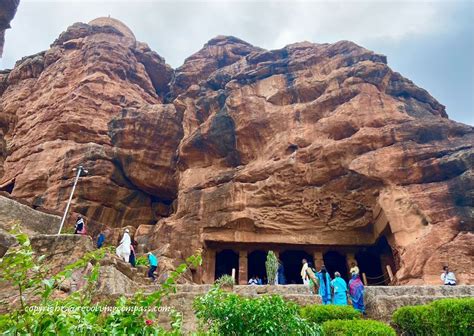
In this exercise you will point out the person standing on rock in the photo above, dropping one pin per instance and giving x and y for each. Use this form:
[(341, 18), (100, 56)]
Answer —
[(339, 288), (132, 258), (304, 275), (153, 266), (312, 280), (123, 250), (80, 226), (356, 291), (448, 277), (324, 285), (100, 240)]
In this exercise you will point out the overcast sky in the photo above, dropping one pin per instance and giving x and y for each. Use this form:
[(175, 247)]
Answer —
[(431, 43)]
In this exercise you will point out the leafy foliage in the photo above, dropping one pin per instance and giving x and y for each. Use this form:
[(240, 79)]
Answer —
[(77, 313), (271, 265), (414, 320), (357, 328), (225, 313), (225, 281), (322, 313), (142, 260), (441, 317)]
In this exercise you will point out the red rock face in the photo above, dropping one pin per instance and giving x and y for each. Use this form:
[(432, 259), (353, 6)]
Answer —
[(90, 100), (312, 145)]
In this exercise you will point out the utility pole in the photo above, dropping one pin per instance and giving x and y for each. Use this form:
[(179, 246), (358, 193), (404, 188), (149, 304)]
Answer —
[(79, 169)]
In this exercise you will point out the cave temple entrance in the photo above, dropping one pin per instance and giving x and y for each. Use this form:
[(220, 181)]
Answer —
[(249, 260)]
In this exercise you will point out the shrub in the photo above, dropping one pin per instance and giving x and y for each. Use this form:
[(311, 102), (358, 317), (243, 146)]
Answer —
[(453, 316), (442, 317), (225, 281), (76, 314), (357, 328), (322, 313), (414, 320), (271, 266), (142, 260), (225, 313)]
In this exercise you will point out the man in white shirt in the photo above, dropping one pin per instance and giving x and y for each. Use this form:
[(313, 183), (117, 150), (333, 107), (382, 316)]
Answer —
[(253, 281), (448, 277), (304, 275)]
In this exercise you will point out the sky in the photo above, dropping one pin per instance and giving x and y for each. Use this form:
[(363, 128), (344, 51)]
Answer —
[(429, 42)]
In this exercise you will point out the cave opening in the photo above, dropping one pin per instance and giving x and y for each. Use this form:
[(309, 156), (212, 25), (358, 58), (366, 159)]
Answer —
[(226, 260), (373, 261), (292, 263), (9, 187), (336, 262), (256, 264)]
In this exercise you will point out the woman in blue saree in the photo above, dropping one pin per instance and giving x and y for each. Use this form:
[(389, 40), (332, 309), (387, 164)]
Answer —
[(339, 287), (324, 285), (356, 290)]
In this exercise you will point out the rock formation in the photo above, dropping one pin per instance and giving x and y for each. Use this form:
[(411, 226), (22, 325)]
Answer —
[(7, 12), (312, 145)]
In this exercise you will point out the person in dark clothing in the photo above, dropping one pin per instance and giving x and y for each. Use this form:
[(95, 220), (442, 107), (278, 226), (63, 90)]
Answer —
[(80, 226), (100, 240), (281, 273), (153, 265), (132, 259)]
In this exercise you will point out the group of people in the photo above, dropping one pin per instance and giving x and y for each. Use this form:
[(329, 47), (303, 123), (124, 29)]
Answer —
[(334, 291), (125, 250)]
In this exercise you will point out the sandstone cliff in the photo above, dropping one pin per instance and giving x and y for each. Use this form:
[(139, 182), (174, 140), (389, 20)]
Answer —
[(311, 144)]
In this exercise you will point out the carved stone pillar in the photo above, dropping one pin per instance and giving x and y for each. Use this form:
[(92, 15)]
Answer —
[(243, 267), (209, 266), (318, 259)]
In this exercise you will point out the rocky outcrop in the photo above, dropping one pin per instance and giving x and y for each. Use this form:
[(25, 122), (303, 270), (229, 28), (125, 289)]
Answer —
[(314, 144), (7, 12), (31, 221), (308, 145), (90, 100)]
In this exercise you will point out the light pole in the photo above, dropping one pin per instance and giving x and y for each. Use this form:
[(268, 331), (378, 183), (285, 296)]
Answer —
[(79, 169)]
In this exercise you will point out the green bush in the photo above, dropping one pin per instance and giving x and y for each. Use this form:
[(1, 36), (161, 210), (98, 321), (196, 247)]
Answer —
[(271, 266), (357, 328), (442, 317), (77, 313), (414, 320), (322, 313), (142, 260), (225, 280), (225, 313)]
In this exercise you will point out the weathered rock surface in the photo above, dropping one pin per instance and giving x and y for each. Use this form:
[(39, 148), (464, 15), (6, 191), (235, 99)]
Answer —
[(7, 12), (321, 144), (91, 100), (311, 144)]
